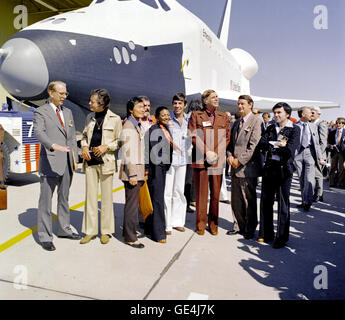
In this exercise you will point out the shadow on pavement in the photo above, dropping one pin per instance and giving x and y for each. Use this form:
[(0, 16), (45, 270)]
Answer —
[(312, 265)]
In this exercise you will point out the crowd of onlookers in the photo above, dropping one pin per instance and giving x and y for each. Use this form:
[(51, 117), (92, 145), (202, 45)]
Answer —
[(183, 154)]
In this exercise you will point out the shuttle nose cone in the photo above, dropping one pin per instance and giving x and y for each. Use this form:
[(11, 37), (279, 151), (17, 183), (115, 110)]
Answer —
[(23, 69)]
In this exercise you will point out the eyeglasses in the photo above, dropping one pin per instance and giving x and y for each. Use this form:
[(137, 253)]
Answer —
[(339, 122), (62, 93)]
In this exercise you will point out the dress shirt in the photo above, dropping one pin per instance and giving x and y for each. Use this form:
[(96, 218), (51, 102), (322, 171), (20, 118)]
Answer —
[(338, 136), (307, 131), (61, 113), (146, 124), (210, 115), (180, 137), (245, 118), (288, 124)]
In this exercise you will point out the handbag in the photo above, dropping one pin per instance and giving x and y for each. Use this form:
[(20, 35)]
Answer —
[(94, 160), (3, 197), (145, 202)]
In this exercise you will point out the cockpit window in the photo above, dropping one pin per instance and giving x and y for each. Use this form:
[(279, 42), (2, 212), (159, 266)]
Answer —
[(99, 1), (164, 5), (151, 3), (60, 20)]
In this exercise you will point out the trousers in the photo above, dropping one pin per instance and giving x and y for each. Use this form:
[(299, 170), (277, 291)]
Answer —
[(48, 185), (272, 186), (243, 203), (175, 204), (202, 180), (94, 177)]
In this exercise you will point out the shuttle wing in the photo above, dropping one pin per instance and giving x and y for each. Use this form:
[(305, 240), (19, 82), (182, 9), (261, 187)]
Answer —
[(229, 98), (266, 104)]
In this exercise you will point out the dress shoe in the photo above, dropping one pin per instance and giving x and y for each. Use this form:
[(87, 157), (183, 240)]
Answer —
[(316, 198), (321, 198), (189, 209), (261, 240), (87, 239), (278, 243), (49, 246), (181, 229), (192, 203), (140, 235), (306, 207), (232, 232), (72, 236), (168, 233), (200, 232), (214, 232), (162, 241), (136, 245), (105, 238), (248, 236), (225, 201), (301, 206)]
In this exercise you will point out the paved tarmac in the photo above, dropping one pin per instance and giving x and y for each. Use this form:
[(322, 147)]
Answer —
[(188, 266)]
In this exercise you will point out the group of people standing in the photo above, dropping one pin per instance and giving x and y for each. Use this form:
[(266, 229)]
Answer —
[(158, 150)]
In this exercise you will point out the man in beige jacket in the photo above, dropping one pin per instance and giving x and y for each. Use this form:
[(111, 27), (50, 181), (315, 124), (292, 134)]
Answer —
[(99, 142), (132, 170), (245, 162)]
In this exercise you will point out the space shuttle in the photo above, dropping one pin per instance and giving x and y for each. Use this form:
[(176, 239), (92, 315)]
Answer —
[(130, 47)]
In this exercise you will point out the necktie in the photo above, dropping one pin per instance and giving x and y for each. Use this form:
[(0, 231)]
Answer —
[(59, 117), (338, 137), (305, 140), (211, 116), (240, 126)]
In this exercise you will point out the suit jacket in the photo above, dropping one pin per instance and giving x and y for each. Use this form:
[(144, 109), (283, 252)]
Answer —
[(48, 130), (322, 130), (204, 139), (132, 152), (332, 141), (111, 130), (243, 145), (286, 154), (314, 139)]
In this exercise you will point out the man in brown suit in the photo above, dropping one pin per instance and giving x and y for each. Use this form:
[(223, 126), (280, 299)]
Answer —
[(210, 132), (245, 168)]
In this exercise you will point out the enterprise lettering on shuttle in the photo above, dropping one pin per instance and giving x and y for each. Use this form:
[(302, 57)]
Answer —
[(206, 36)]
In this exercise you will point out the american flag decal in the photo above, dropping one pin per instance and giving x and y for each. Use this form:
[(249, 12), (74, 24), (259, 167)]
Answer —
[(31, 154)]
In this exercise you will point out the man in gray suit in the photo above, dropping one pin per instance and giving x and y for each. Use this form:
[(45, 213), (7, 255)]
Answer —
[(246, 165), (307, 157), (54, 129), (322, 130)]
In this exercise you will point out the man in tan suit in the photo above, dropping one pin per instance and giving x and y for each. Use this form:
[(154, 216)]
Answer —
[(210, 132), (245, 168)]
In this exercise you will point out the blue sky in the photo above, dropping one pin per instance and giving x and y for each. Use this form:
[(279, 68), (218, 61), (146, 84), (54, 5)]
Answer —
[(295, 60)]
